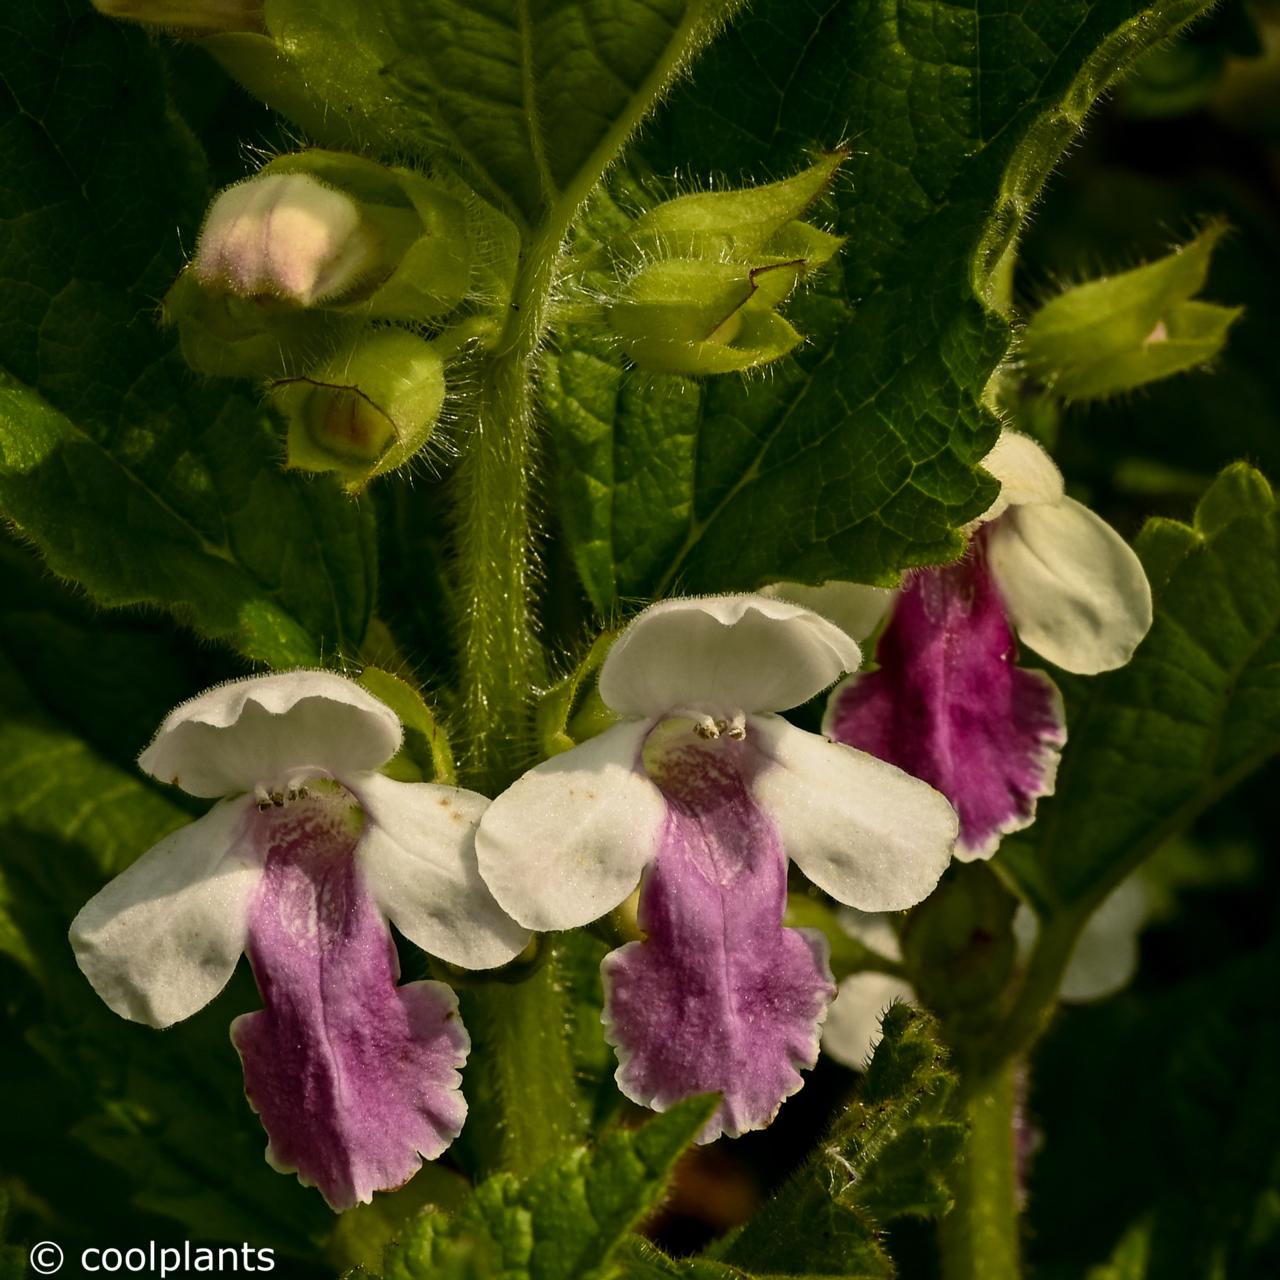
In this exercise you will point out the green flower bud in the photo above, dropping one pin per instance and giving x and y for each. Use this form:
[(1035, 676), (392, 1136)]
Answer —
[(319, 241), (1119, 332), (224, 335), (688, 316), (199, 17), (739, 225), (366, 409), (425, 253)]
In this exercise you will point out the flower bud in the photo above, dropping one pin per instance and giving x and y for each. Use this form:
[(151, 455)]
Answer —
[(688, 316), (202, 17), (366, 409), (285, 236), (1119, 332)]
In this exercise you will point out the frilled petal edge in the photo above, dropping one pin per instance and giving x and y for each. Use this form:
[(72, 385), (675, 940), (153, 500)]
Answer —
[(270, 729), (723, 653), (567, 841), (864, 831), (418, 857), (1075, 591), (162, 939)]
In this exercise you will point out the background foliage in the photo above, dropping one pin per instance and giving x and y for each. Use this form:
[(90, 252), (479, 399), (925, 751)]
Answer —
[(154, 545)]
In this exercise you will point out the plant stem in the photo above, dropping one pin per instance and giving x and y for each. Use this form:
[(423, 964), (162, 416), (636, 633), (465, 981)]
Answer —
[(1038, 993), (979, 1237), (522, 1088), (528, 1109)]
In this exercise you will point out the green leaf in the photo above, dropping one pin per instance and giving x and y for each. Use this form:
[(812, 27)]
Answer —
[(134, 479), (1193, 1188), (562, 1223), (639, 1260), (425, 755), (886, 1157), (12, 1259), (868, 437), (528, 94), (519, 99), (1194, 712)]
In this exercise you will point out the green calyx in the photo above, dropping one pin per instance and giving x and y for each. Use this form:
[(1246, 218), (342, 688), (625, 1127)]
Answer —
[(689, 316), (1119, 332), (707, 273), (366, 409)]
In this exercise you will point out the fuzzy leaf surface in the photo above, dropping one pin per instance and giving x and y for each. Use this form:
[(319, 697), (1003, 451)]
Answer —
[(134, 479), (562, 1223), (868, 437), (886, 1157)]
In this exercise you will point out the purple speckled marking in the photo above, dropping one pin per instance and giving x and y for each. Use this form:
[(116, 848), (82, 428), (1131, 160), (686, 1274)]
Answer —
[(354, 1078), (949, 706), (719, 997)]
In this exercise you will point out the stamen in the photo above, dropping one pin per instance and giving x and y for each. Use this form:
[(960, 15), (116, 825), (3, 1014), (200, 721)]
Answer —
[(705, 727)]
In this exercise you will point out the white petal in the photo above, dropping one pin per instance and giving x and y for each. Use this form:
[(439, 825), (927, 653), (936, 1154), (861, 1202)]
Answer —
[(418, 857), (162, 939), (852, 1029), (864, 831), (723, 654), (1026, 473), (1075, 591), (269, 730), (854, 608), (567, 842), (1106, 953), (874, 929)]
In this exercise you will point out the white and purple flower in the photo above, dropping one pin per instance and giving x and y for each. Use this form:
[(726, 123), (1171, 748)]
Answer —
[(701, 794), (301, 865), (947, 702)]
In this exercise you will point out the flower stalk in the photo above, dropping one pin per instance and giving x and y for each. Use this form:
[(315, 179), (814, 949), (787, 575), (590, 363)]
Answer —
[(979, 1237)]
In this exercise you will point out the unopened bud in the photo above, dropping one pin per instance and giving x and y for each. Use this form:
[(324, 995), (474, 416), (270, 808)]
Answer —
[(687, 316), (365, 410), (287, 236), (1117, 333), (201, 17)]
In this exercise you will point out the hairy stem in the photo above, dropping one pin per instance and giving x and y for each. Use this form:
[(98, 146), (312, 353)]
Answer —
[(521, 1042), (522, 1088), (979, 1237)]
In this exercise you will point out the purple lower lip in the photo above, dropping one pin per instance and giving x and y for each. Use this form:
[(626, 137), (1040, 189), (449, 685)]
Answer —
[(949, 705), (719, 997), (354, 1078)]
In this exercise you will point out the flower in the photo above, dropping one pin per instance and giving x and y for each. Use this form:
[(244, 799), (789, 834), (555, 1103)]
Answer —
[(300, 865), (705, 791), (947, 702), (1103, 962), (285, 235)]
